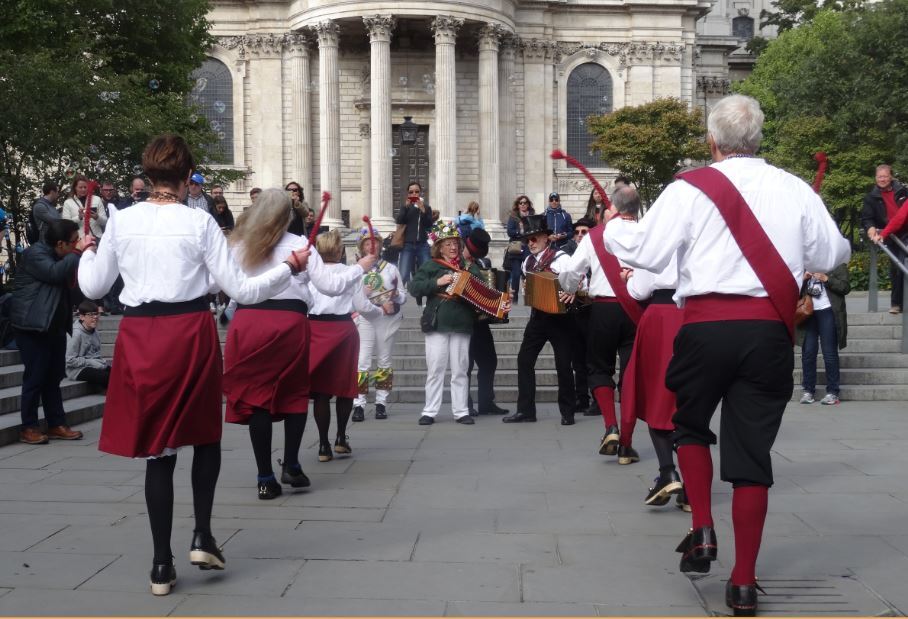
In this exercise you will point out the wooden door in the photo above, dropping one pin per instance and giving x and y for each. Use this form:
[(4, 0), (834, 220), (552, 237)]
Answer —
[(410, 162)]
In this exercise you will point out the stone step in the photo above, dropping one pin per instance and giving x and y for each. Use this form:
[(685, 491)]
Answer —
[(11, 397), (78, 410), (860, 393), (505, 396), (849, 376)]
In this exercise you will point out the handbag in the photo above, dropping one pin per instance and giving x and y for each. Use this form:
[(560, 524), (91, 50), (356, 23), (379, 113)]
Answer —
[(428, 322), (397, 237), (515, 248), (804, 309)]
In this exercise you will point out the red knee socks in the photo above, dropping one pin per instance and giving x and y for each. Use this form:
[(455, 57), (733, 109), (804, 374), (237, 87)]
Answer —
[(748, 513), (605, 397), (628, 421), (696, 465)]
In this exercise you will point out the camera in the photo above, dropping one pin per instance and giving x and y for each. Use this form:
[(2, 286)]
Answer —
[(814, 288)]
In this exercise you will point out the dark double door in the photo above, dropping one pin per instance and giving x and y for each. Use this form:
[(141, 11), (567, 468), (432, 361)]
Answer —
[(410, 162)]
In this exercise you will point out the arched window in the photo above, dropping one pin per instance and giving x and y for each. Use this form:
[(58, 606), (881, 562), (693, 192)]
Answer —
[(589, 92), (742, 27), (212, 91)]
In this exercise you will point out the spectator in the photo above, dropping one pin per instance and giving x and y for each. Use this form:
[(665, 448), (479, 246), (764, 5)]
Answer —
[(137, 193), (217, 191), (197, 198), (40, 315), (829, 325), (417, 216), (222, 214), (470, 220), (299, 209), (517, 250), (880, 205), (559, 221), (74, 207), (83, 352), (109, 197), (254, 194), (45, 209), (594, 205)]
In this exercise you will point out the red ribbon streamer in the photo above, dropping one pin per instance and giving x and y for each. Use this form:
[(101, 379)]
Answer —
[(822, 160), (606, 203), (371, 234), (326, 198)]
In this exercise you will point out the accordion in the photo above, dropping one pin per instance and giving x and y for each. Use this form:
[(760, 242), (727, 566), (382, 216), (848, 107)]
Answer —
[(478, 294), (542, 293)]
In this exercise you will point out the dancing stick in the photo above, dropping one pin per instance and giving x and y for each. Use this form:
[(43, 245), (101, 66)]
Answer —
[(326, 198), (371, 234), (86, 214), (822, 160), (606, 203)]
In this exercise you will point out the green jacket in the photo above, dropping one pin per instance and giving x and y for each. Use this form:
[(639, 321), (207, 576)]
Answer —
[(453, 315), (836, 289)]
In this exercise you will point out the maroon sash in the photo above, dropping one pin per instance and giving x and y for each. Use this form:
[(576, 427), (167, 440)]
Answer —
[(612, 271), (758, 250)]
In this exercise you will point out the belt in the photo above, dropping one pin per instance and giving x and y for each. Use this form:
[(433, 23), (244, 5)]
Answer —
[(605, 299), (663, 296), (330, 317), (162, 308), (285, 305)]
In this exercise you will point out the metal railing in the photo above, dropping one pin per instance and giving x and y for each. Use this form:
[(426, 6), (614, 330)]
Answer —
[(873, 284)]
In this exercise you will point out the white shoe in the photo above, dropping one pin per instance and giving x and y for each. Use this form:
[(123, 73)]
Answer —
[(830, 399), (807, 398), (213, 308)]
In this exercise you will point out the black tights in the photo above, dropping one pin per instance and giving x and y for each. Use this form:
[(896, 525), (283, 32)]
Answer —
[(206, 465), (343, 407), (260, 435), (664, 446)]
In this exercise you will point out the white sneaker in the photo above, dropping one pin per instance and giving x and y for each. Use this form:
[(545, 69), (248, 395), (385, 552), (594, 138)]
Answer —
[(213, 307), (830, 399), (807, 398)]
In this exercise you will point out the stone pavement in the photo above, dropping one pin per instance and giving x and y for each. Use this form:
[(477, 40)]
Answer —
[(491, 519)]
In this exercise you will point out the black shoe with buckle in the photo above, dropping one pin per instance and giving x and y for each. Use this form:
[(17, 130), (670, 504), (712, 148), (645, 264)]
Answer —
[(380, 412), (269, 490), (324, 452), (519, 418), (465, 420), (425, 420), (342, 446), (205, 553), (681, 501), (492, 409), (627, 455), (567, 419), (359, 414), (293, 476), (163, 577), (663, 488), (609, 444), (742, 599), (698, 549)]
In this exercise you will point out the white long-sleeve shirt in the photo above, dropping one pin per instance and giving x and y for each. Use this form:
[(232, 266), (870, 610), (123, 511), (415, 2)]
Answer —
[(559, 264), (584, 260), (642, 284), (684, 222), (171, 253), (97, 226), (391, 280), (353, 299)]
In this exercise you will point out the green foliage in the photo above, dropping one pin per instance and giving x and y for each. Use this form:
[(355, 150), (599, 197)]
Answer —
[(859, 271), (837, 84), (87, 83), (648, 143), (791, 13)]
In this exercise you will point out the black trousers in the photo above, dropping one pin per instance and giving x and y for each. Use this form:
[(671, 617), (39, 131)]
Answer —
[(483, 355), (747, 365), (542, 328), (610, 335), (44, 357), (896, 277), (578, 358), (95, 376)]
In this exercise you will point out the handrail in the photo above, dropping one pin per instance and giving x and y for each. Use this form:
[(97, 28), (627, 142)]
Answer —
[(903, 266)]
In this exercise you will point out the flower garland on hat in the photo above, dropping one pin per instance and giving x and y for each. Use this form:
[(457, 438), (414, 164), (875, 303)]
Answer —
[(443, 230)]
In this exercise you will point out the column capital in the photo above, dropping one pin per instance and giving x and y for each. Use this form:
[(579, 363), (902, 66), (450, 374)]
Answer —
[(537, 50), (380, 27), (263, 45), (328, 33), (365, 130), (508, 45), (297, 43), (490, 35), (445, 28)]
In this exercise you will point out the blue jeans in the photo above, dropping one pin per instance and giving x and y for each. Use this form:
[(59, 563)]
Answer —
[(413, 252), (820, 326), (516, 272)]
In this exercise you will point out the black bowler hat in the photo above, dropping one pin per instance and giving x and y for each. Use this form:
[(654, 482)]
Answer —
[(534, 224), (478, 243)]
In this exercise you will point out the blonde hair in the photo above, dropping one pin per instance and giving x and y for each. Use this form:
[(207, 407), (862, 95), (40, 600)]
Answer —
[(261, 226), (473, 208), (436, 247), (329, 245)]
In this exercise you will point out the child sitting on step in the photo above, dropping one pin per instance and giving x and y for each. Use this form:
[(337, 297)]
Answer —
[(83, 350)]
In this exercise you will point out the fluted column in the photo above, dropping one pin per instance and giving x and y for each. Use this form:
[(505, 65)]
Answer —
[(445, 190), (365, 134), (301, 114), (489, 171), (266, 140), (379, 28), (329, 119), (537, 57), (507, 138)]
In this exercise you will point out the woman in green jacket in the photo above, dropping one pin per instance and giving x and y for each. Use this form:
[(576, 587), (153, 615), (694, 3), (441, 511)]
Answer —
[(828, 326), (447, 322)]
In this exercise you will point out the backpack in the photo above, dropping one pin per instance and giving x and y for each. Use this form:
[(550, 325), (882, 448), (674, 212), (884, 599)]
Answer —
[(32, 233)]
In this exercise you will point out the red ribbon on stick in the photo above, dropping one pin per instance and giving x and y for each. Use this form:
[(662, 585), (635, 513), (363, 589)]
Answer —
[(606, 203), (822, 160), (326, 198), (86, 213), (371, 234)]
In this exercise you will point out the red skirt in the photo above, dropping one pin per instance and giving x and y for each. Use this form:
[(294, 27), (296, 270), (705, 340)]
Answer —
[(266, 364), (165, 386), (333, 357), (643, 392)]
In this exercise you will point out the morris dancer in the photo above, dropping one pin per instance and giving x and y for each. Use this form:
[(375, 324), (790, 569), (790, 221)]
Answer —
[(266, 358), (165, 386), (743, 232), (544, 327), (334, 350), (383, 286)]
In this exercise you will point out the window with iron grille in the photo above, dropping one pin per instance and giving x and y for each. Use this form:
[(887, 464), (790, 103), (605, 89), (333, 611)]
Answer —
[(589, 92), (212, 92), (742, 27)]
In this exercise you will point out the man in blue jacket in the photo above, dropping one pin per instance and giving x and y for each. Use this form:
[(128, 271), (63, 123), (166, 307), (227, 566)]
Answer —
[(559, 221)]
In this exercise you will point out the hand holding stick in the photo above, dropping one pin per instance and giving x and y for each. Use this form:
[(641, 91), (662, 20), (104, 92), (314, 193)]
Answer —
[(326, 198)]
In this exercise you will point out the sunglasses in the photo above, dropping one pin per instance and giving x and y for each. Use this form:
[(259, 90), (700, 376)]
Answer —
[(523, 202), (293, 189)]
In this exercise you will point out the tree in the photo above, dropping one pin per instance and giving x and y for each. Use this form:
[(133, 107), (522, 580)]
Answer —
[(791, 13), (84, 85), (648, 143), (837, 84)]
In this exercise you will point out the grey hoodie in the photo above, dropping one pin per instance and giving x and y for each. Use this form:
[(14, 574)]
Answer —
[(83, 350)]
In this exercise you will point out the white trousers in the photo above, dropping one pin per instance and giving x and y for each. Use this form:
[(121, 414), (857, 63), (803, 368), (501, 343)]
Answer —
[(443, 349), (376, 336)]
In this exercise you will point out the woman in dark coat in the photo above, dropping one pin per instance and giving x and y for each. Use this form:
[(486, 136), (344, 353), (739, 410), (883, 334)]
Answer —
[(523, 207), (828, 326)]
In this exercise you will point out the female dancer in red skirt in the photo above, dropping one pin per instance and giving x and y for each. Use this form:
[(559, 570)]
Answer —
[(334, 349), (266, 359), (165, 388)]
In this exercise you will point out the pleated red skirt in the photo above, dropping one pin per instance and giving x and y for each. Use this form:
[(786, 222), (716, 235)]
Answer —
[(333, 357), (266, 364), (643, 393), (165, 386)]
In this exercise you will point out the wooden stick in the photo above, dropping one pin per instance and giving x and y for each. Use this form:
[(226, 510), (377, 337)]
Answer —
[(86, 213), (606, 203), (371, 234), (326, 198)]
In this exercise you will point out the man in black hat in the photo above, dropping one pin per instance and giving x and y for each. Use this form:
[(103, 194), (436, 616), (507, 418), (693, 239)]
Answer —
[(544, 327), (482, 345)]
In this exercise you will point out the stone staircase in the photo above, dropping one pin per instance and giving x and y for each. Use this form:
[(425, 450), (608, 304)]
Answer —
[(872, 368)]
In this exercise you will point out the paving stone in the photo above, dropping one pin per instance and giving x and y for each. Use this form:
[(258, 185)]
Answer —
[(60, 603), (649, 611), (628, 586), (452, 546), (63, 492), (557, 521), (43, 570), (856, 521), (524, 609), (132, 536), (239, 606), (327, 540), (502, 499), (434, 520)]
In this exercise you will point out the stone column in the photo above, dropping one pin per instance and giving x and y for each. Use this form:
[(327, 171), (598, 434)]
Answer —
[(266, 137), (300, 115), (379, 28), (536, 57), (329, 120), (489, 175), (366, 187), (508, 159), (444, 194)]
